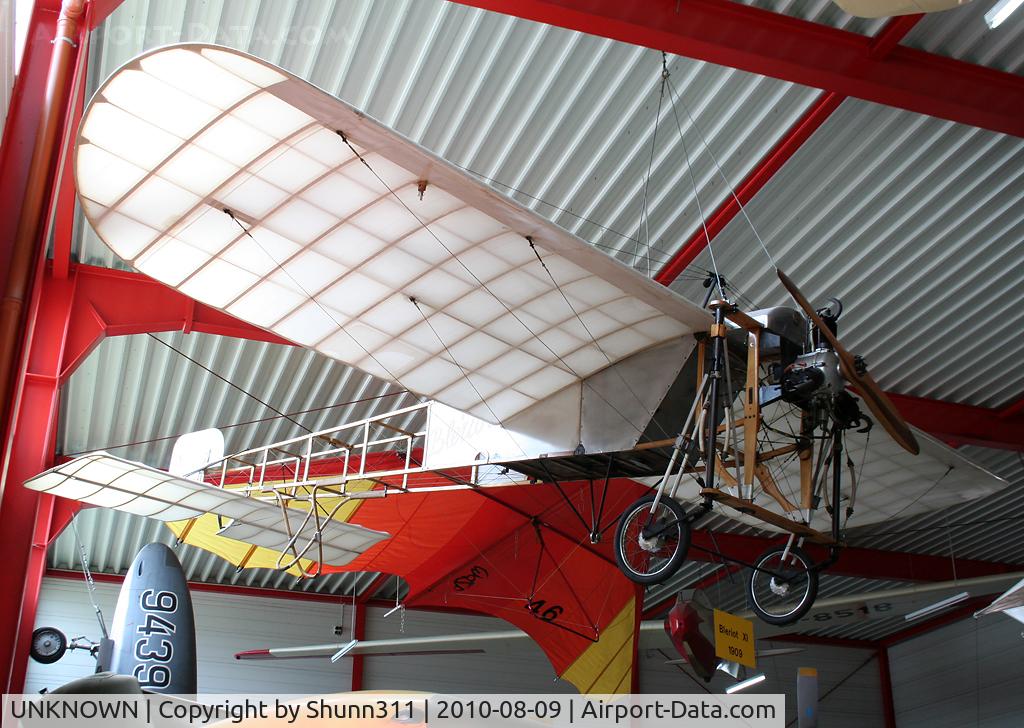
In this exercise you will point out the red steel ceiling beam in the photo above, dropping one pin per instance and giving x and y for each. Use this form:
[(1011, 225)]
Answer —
[(1012, 410), (759, 41), (964, 424), (111, 302), (368, 593), (853, 561)]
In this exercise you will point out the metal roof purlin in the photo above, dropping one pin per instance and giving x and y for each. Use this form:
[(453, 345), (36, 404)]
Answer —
[(758, 41)]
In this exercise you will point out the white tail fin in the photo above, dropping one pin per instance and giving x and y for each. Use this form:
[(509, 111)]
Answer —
[(807, 697), (195, 450)]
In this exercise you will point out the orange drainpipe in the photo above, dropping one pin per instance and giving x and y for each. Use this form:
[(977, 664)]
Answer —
[(27, 243)]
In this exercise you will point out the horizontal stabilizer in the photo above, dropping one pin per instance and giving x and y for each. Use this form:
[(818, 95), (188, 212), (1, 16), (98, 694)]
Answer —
[(104, 480)]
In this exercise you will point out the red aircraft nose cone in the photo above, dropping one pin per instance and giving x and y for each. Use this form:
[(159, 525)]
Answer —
[(682, 624)]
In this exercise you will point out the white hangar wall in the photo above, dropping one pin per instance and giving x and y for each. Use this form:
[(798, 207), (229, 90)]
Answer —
[(967, 674), (518, 668), (227, 624), (936, 677), (851, 674)]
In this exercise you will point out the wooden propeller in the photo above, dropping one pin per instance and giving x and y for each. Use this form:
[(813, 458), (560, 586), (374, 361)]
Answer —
[(880, 405)]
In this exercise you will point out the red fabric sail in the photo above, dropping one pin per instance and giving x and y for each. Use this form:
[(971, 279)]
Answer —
[(522, 553)]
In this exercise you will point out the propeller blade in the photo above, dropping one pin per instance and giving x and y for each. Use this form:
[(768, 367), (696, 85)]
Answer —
[(880, 405)]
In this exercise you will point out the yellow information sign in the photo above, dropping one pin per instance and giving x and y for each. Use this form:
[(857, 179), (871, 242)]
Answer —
[(734, 638)]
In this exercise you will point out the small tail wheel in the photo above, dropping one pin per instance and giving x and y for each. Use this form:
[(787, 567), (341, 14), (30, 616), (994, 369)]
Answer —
[(781, 591), (651, 545), (48, 645)]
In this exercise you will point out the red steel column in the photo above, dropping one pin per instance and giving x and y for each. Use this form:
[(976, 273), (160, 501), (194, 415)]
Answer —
[(30, 236), (30, 365), (359, 632), (24, 514), (885, 678)]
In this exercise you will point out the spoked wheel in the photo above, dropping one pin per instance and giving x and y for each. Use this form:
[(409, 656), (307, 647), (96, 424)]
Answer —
[(650, 547), (781, 592)]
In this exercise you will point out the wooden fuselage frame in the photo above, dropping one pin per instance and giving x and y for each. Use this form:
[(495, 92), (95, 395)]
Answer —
[(755, 464)]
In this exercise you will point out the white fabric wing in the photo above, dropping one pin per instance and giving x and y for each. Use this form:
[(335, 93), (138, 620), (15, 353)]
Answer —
[(357, 242)]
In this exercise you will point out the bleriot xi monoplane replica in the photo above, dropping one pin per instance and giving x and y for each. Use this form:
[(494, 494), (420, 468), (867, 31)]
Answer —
[(552, 376)]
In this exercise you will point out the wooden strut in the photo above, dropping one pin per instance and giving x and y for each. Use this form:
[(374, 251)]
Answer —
[(779, 521), (751, 408)]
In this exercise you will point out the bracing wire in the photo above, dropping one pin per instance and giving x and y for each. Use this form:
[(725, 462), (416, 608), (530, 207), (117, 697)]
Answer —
[(244, 423), (696, 195), (228, 382), (313, 298), (721, 172), (424, 226), (586, 328), (644, 216), (666, 255), (465, 374), (87, 573)]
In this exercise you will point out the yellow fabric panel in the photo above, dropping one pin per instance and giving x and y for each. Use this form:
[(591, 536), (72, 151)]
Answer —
[(203, 534), (606, 667)]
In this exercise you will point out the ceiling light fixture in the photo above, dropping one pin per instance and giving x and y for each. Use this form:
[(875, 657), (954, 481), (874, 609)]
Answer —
[(937, 607), (344, 651), (754, 680), (1001, 11)]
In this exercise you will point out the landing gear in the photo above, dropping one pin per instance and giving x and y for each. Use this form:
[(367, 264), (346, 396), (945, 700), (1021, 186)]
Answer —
[(651, 545), (783, 585)]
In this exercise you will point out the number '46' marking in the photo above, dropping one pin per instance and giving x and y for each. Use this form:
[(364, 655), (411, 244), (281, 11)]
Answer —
[(548, 615)]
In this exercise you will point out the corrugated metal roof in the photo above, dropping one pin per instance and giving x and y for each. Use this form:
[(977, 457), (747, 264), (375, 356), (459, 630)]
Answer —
[(914, 222), (565, 117), (135, 394)]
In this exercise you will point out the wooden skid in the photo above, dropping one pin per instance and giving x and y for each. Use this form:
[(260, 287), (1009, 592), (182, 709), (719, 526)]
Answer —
[(767, 516)]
